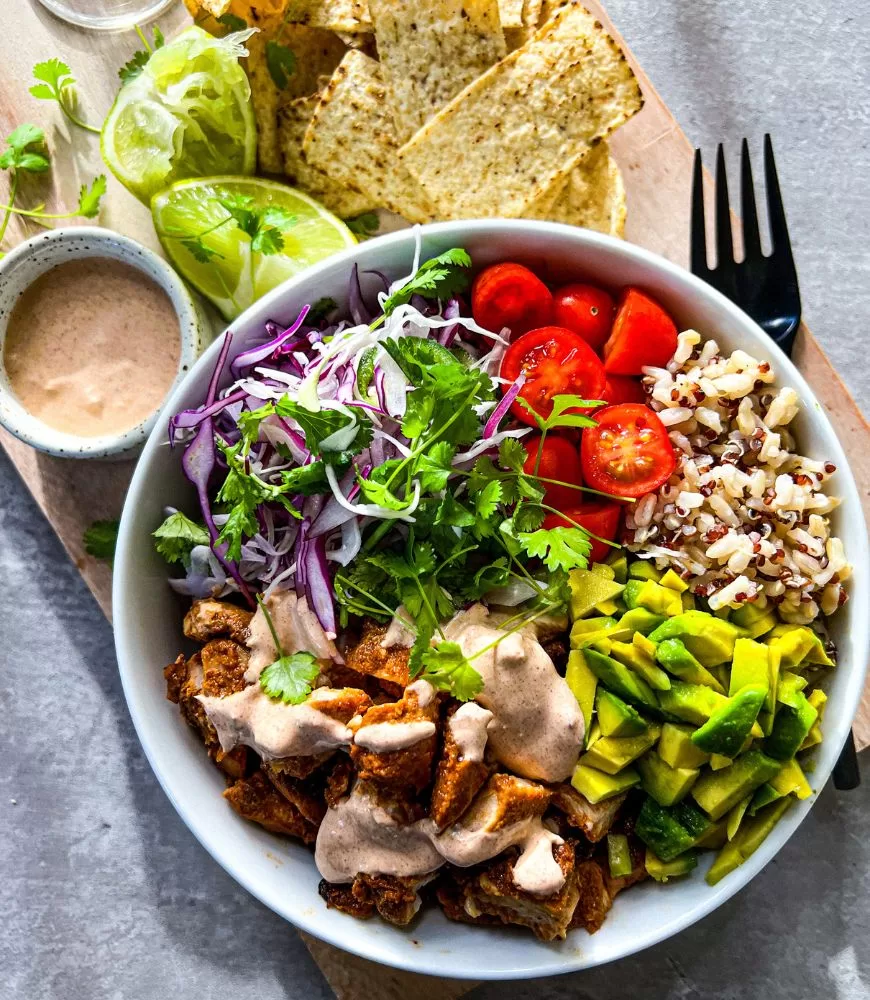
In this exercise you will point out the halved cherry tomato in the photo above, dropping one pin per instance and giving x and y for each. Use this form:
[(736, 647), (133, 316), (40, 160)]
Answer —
[(601, 518), (555, 361), (643, 334), (510, 295), (629, 453), (586, 310), (560, 459), (623, 389)]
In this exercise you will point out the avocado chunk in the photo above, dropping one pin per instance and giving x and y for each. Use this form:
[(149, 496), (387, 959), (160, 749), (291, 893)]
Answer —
[(718, 792), (754, 621), (642, 569), (583, 683), (726, 730), (747, 840), (603, 569), (677, 749), (610, 607), (612, 753), (714, 838), (652, 596), (817, 698), (677, 660), (791, 726), (691, 702), (622, 681), (663, 871), (707, 638), (790, 688), (763, 797), (688, 601), (735, 817), (631, 655), (618, 562), (662, 832), (798, 643), (640, 620), (616, 717), (719, 760), (750, 665), (667, 785), (598, 624), (672, 581), (598, 786), (589, 589)]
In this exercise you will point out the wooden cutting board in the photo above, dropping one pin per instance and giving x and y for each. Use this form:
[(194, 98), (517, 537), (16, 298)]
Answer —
[(656, 160)]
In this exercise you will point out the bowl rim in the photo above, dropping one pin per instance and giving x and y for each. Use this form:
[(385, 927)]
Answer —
[(334, 932), (27, 427)]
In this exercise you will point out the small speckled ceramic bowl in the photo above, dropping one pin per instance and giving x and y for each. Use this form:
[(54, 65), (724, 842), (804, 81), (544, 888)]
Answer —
[(23, 265)]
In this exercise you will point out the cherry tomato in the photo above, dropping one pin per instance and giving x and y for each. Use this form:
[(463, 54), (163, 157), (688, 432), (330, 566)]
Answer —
[(510, 295), (586, 310), (629, 453), (555, 361), (643, 334), (601, 518), (560, 459), (623, 389)]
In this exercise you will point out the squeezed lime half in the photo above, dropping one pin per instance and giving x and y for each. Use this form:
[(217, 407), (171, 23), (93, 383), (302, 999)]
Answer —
[(213, 253)]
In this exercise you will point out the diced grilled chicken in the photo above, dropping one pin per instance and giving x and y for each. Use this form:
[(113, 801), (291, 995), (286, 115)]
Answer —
[(506, 800), (397, 900), (368, 656), (457, 781), (257, 800), (211, 619), (306, 795), (223, 667), (594, 820)]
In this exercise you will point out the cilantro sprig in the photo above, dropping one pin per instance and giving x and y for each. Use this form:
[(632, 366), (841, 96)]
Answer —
[(177, 536), (56, 83), (138, 61), (100, 540), (441, 276), (289, 677)]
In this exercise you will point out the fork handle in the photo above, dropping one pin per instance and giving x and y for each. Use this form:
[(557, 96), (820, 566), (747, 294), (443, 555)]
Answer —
[(847, 774)]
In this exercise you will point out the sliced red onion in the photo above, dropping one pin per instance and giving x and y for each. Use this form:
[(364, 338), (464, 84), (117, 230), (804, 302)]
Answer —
[(193, 418), (355, 304), (447, 334), (251, 357), (333, 515), (499, 413), (379, 377), (318, 586)]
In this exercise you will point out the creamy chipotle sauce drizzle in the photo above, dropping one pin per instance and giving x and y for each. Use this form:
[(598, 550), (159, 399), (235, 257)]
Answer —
[(92, 347)]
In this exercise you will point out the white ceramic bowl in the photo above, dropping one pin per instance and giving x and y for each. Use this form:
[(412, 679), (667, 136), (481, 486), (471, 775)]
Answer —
[(31, 259), (282, 874)]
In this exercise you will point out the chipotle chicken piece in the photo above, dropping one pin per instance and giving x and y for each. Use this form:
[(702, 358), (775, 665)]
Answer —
[(594, 820), (505, 801), (338, 780), (302, 767), (397, 900), (593, 899), (488, 893), (256, 799), (459, 775), (368, 656), (307, 796), (209, 619), (223, 667), (411, 765)]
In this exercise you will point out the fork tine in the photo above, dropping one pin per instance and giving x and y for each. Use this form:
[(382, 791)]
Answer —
[(748, 210), (724, 238), (775, 210), (698, 228)]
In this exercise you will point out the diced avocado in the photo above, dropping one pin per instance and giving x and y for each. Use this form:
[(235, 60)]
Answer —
[(691, 702), (602, 569), (727, 728), (693, 820), (677, 660), (707, 638), (656, 598), (609, 607), (622, 681), (616, 717), (612, 753), (765, 716), (618, 562), (735, 817), (791, 726), (666, 784), (594, 734), (688, 601), (640, 620), (618, 855), (589, 589), (763, 797), (754, 621), (645, 645), (598, 624), (583, 683), (789, 688), (673, 582), (677, 749), (790, 780), (641, 569), (724, 863), (660, 830), (718, 761), (641, 663), (598, 786), (663, 871), (581, 638), (717, 792), (817, 698), (632, 589), (754, 831), (749, 665), (715, 837), (798, 643)]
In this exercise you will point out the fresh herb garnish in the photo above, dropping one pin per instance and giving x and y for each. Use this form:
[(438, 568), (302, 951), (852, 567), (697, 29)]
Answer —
[(58, 84), (137, 62), (321, 309), (177, 536), (232, 22), (446, 668), (281, 63), (442, 276), (364, 225), (100, 540), (289, 678), (264, 226)]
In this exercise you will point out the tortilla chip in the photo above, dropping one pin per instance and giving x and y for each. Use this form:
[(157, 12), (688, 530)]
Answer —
[(592, 196), (217, 8), (334, 15), (359, 40), (531, 17), (510, 13), (293, 121), (429, 52), (353, 139), (317, 55), (510, 135)]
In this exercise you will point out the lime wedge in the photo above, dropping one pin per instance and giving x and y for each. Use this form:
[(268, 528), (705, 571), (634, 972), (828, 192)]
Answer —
[(187, 114), (216, 256)]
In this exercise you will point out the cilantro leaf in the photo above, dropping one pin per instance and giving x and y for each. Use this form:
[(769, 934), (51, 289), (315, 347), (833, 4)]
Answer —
[(528, 517), (25, 135), (447, 669), (321, 425), (441, 277), (233, 22), (321, 309), (58, 84), (263, 226), (241, 523), (364, 588), (559, 548), (26, 145), (381, 494), (559, 417), (306, 480), (364, 225), (89, 197), (267, 240), (199, 250), (137, 62), (100, 540), (512, 455), (434, 467), (177, 536), (453, 513), (487, 499), (417, 355), (281, 63), (290, 678)]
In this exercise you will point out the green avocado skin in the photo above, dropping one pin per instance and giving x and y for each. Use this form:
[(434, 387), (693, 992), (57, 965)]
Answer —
[(726, 730)]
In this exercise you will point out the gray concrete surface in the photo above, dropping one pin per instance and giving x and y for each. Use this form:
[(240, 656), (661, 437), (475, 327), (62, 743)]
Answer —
[(104, 894)]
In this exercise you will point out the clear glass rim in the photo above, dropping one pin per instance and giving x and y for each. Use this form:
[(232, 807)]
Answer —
[(106, 22)]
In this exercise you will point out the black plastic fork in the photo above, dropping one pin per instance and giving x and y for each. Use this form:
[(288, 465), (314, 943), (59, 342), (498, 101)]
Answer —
[(765, 286)]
